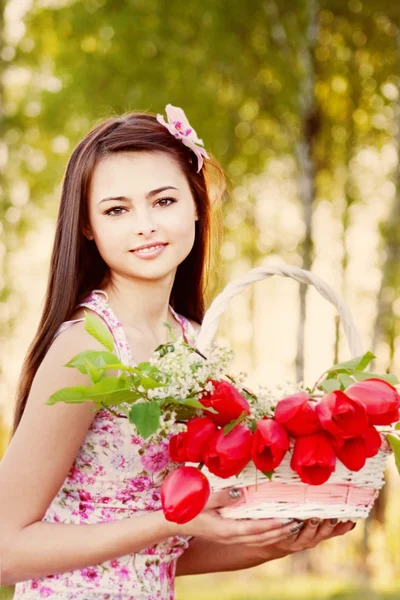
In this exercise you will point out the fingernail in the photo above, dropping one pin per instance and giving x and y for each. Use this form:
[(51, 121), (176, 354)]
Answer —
[(287, 521), (235, 493), (295, 529), (334, 521), (314, 522)]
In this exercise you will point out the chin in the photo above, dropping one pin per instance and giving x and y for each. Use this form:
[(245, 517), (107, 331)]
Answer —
[(151, 272)]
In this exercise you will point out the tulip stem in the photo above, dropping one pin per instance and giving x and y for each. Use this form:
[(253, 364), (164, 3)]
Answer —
[(319, 380)]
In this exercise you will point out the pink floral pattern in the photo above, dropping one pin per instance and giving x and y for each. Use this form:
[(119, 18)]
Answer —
[(116, 475)]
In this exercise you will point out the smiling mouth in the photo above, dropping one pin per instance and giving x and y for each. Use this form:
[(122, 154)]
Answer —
[(149, 250)]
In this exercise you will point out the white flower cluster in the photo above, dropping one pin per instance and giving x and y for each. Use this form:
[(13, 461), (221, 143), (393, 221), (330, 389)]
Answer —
[(188, 373), (169, 425), (269, 396)]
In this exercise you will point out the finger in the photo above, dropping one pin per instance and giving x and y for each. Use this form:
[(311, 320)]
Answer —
[(235, 531), (325, 529), (223, 498), (268, 537), (273, 537), (306, 534), (342, 528)]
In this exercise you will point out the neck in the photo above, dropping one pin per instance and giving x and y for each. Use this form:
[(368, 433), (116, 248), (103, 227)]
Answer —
[(142, 305)]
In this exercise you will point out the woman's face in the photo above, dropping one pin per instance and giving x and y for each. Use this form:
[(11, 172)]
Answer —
[(136, 199)]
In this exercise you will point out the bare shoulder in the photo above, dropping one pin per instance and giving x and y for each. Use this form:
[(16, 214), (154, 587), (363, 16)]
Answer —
[(48, 438)]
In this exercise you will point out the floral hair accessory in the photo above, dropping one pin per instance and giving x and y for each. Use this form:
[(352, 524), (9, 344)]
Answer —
[(180, 128)]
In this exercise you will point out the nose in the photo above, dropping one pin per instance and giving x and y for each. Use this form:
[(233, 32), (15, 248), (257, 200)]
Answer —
[(144, 223)]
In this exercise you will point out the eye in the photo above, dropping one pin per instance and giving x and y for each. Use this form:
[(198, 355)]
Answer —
[(171, 201), (109, 211)]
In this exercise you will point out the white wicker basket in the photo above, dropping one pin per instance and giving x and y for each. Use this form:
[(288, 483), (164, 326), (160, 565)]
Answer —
[(347, 494)]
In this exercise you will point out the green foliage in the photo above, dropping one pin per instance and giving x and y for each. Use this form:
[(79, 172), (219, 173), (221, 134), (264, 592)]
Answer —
[(97, 328), (97, 358), (395, 444), (235, 422), (342, 375), (146, 417)]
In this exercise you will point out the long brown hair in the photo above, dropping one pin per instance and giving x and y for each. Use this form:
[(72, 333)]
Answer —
[(76, 267)]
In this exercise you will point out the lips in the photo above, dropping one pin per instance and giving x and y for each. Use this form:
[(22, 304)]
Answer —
[(149, 251)]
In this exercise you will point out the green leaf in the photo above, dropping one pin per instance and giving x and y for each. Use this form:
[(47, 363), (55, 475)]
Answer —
[(233, 424), (253, 426), (120, 367), (395, 444), (330, 385), (94, 374), (397, 426), (345, 380), (364, 362), (108, 391), (268, 474), (356, 364), (71, 395), (149, 383), (146, 417), (164, 349), (95, 326), (148, 369), (389, 377), (171, 333), (98, 358)]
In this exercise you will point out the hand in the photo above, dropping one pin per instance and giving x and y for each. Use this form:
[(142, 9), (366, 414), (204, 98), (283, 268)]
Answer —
[(309, 533), (210, 525), (312, 533)]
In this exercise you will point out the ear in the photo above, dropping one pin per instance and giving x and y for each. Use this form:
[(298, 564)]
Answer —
[(87, 232)]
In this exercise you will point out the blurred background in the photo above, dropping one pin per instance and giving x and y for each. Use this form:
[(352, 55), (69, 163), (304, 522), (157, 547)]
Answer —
[(299, 101)]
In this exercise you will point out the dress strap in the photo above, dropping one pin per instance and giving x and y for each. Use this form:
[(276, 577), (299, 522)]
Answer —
[(189, 332), (101, 307)]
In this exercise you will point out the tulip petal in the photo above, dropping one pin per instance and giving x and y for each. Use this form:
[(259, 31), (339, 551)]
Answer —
[(229, 453), (297, 414), (380, 398), (270, 445), (342, 416), (352, 453), (184, 494), (313, 458), (177, 447)]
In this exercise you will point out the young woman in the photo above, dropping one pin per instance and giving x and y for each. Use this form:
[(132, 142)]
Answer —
[(80, 511)]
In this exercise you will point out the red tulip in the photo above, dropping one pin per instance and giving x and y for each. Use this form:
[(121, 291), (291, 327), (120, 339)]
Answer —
[(354, 452), (297, 414), (177, 447), (227, 401), (380, 399), (314, 458), (228, 454), (341, 416), (198, 435), (184, 494), (270, 445)]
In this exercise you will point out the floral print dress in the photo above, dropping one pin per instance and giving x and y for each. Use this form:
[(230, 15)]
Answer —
[(116, 475)]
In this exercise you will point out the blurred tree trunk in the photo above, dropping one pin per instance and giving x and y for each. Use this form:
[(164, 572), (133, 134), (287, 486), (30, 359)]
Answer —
[(310, 123), (305, 154), (387, 322)]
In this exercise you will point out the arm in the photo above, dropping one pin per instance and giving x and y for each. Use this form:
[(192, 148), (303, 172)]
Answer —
[(204, 556), (34, 468)]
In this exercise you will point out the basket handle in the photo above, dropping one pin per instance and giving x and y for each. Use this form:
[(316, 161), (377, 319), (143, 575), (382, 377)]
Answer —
[(220, 303)]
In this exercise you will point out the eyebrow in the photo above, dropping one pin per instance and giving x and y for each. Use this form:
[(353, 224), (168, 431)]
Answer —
[(149, 195)]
